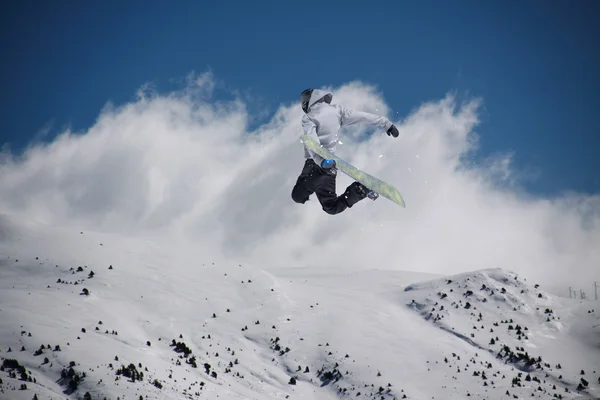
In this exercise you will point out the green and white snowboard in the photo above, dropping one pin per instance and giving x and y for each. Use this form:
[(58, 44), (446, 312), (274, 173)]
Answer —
[(377, 185)]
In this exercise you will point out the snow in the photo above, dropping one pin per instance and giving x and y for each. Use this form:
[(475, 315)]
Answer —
[(382, 333)]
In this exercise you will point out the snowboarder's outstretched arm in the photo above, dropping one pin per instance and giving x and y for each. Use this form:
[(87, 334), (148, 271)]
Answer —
[(351, 117), (310, 129)]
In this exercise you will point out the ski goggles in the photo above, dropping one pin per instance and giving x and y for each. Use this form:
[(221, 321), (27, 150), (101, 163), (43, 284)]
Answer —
[(305, 98)]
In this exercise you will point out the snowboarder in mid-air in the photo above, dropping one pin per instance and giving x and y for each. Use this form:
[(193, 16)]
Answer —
[(323, 120)]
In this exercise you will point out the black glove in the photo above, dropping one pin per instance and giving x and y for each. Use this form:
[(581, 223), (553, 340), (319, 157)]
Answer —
[(393, 131)]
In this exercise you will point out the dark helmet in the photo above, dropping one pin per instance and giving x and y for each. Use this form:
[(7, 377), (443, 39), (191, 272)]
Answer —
[(305, 98), (314, 96)]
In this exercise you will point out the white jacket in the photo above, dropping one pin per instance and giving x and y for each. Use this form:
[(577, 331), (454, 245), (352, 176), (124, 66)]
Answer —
[(323, 122)]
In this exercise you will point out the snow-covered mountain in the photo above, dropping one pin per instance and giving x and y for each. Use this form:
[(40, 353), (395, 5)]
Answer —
[(87, 315)]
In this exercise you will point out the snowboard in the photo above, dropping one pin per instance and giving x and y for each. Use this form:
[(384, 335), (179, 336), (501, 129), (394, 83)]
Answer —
[(377, 185)]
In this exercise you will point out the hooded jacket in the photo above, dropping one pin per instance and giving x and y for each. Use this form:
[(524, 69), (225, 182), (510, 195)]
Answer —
[(323, 122)]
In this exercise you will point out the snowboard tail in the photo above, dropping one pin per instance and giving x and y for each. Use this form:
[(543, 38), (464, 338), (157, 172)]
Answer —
[(377, 185)]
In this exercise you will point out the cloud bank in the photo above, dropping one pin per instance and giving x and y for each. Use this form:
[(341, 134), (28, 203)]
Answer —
[(186, 165)]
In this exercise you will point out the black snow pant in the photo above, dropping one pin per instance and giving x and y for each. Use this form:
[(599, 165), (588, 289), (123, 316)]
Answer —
[(315, 179)]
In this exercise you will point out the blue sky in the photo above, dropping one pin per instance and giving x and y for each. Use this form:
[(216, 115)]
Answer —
[(533, 63)]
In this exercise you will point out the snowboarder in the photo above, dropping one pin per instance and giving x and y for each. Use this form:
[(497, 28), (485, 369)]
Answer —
[(323, 120)]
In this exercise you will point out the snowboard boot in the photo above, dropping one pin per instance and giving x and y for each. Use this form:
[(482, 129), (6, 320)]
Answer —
[(366, 192), (356, 192)]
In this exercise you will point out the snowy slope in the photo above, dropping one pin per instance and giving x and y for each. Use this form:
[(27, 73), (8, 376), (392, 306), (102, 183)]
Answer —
[(198, 326), (553, 344)]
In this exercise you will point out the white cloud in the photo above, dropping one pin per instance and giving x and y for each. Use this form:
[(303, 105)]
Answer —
[(183, 164)]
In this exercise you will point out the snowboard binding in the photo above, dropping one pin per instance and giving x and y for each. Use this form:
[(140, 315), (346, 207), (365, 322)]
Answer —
[(372, 195)]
